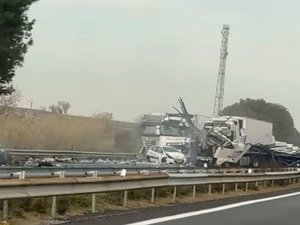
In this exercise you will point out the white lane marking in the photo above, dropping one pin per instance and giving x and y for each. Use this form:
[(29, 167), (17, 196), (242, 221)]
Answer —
[(205, 211)]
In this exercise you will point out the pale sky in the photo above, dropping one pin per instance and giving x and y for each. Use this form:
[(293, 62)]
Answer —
[(131, 57)]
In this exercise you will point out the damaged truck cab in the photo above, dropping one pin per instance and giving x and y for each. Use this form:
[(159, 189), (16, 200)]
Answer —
[(231, 138)]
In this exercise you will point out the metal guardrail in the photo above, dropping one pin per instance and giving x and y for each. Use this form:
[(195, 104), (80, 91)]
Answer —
[(82, 170), (75, 170), (39, 152), (23, 188), (13, 189), (42, 187), (45, 187)]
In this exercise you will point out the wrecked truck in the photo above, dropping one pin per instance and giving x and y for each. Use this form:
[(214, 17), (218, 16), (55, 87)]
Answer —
[(230, 141)]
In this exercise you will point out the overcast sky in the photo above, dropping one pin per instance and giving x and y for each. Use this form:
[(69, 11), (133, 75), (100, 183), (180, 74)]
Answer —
[(131, 57)]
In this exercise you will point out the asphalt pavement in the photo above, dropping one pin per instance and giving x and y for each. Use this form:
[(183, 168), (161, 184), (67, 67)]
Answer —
[(274, 212), (283, 211)]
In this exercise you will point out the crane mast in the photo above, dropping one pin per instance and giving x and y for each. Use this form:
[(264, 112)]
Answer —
[(218, 104)]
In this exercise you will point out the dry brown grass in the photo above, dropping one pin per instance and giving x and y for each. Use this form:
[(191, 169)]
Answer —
[(42, 130)]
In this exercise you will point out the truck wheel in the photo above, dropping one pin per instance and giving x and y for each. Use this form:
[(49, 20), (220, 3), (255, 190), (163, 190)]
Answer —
[(226, 165), (256, 162)]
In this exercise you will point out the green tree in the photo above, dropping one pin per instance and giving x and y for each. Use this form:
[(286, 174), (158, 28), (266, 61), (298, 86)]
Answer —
[(283, 123), (55, 109), (15, 38), (64, 106)]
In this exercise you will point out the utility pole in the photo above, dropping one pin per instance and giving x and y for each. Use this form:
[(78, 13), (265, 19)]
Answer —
[(30, 103), (218, 105)]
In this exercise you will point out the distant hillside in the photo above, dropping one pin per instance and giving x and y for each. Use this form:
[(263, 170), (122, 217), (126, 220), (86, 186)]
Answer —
[(283, 123), (38, 129)]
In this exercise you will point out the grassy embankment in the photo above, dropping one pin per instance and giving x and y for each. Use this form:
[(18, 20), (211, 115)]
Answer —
[(36, 129)]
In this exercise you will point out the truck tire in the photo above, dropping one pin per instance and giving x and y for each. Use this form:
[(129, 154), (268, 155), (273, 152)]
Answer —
[(227, 165)]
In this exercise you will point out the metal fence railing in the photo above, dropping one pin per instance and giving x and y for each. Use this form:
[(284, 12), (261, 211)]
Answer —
[(61, 185)]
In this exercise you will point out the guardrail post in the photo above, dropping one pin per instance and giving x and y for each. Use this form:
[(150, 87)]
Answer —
[(247, 184), (61, 174), (93, 203), (53, 208), (194, 191), (265, 183), (5, 210), (125, 198), (21, 175), (174, 194), (294, 180), (236, 187), (256, 184), (94, 175), (209, 189), (272, 183), (223, 189), (152, 195)]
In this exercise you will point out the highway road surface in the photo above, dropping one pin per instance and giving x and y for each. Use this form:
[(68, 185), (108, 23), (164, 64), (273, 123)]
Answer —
[(282, 209)]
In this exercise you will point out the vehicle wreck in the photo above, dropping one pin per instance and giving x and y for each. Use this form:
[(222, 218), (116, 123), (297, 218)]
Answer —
[(230, 141)]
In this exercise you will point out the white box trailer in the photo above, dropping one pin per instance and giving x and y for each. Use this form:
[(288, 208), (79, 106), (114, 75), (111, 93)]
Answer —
[(258, 131), (244, 129)]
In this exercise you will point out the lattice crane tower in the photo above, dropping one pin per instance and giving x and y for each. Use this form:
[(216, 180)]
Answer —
[(218, 105)]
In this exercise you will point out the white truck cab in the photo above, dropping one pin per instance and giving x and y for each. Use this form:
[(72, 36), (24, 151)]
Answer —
[(231, 137)]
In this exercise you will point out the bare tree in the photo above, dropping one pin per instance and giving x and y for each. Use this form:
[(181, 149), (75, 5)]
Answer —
[(11, 100), (104, 115)]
